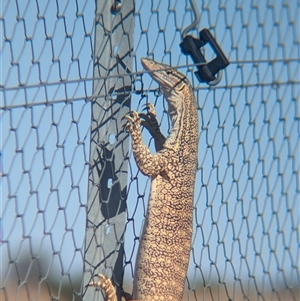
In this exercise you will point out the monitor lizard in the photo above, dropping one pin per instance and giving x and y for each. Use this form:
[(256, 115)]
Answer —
[(164, 250)]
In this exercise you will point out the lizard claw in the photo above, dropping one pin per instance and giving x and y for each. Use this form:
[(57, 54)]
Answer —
[(150, 117), (133, 121), (132, 116), (106, 285), (150, 109)]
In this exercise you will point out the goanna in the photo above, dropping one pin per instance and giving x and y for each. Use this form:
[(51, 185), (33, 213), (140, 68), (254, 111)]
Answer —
[(164, 249)]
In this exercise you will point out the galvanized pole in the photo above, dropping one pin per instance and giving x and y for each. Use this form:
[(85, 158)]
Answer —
[(106, 206)]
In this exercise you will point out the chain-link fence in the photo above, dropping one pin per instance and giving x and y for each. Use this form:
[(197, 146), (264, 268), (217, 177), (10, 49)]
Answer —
[(73, 200)]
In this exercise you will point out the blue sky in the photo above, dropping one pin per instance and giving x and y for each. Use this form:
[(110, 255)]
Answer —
[(246, 206)]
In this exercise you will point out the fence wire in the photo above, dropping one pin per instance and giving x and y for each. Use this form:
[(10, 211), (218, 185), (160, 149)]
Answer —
[(246, 214)]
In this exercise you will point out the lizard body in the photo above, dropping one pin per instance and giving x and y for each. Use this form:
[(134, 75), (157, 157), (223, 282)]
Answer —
[(164, 249)]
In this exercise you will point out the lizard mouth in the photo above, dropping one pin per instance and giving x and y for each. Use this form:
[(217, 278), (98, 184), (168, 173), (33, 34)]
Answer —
[(148, 64), (158, 72)]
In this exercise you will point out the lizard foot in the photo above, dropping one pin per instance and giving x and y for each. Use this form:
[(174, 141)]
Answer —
[(149, 121), (133, 122), (150, 109), (106, 285)]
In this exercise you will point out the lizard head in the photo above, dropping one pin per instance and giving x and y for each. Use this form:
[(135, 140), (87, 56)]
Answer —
[(170, 80), (172, 83), (181, 101)]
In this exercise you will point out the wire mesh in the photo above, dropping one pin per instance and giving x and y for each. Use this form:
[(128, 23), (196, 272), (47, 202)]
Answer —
[(246, 215)]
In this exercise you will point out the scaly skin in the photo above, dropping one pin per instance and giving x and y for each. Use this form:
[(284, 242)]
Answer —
[(164, 249), (106, 285)]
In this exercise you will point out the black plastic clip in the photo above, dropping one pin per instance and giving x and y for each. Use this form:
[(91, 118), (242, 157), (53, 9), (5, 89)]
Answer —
[(207, 71)]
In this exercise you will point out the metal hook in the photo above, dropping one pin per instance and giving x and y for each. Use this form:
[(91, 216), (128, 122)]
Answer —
[(217, 80), (195, 22)]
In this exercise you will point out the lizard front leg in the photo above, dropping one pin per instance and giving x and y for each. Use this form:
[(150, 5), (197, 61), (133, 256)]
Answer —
[(148, 164)]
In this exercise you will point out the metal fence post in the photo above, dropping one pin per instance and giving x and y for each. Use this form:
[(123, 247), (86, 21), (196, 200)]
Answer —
[(106, 206)]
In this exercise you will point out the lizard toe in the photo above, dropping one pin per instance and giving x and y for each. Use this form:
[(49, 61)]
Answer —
[(133, 117), (133, 122), (145, 118), (150, 109), (106, 285)]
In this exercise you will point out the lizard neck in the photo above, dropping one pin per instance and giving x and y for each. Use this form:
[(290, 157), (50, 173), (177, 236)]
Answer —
[(172, 142), (181, 114)]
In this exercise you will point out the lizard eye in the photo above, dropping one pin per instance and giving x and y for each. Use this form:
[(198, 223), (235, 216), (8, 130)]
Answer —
[(169, 72)]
